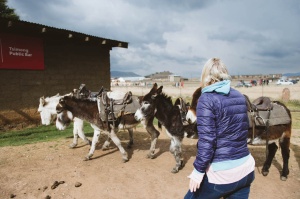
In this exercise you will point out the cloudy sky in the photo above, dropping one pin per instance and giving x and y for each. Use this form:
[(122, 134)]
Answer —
[(250, 36)]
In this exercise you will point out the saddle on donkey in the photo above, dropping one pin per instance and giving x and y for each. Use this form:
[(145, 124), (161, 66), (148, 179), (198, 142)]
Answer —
[(112, 105), (84, 93), (262, 111)]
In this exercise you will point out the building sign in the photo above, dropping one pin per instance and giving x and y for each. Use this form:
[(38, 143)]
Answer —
[(18, 52)]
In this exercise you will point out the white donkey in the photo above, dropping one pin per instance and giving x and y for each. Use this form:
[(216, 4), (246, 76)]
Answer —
[(47, 109)]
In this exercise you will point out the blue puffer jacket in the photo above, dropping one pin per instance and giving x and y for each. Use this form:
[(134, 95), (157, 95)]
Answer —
[(222, 124)]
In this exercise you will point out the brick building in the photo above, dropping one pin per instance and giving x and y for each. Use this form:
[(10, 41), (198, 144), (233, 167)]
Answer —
[(38, 60)]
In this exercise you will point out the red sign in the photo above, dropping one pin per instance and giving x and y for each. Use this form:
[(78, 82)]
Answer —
[(18, 52)]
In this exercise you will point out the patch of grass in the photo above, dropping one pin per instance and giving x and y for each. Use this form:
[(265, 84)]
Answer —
[(296, 120), (37, 134), (43, 134), (293, 105)]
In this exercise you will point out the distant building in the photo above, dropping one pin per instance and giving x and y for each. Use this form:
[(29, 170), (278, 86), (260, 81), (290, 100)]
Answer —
[(133, 78), (126, 81), (174, 78), (257, 76), (160, 75), (38, 60)]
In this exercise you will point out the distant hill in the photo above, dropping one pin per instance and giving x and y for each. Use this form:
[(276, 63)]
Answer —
[(159, 75), (115, 74), (291, 74)]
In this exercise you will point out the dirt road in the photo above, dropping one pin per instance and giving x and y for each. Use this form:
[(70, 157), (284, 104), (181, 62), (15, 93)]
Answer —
[(29, 171)]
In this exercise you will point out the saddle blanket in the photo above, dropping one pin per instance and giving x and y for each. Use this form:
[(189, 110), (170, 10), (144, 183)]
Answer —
[(278, 115)]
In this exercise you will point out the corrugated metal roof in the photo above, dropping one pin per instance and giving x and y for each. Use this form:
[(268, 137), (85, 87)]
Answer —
[(10, 25)]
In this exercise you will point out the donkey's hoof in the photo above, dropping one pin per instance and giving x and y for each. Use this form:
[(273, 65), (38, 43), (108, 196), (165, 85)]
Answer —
[(125, 157), (86, 158), (175, 170), (72, 146), (150, 156), (283, 178), (105, 148), (265, 173)]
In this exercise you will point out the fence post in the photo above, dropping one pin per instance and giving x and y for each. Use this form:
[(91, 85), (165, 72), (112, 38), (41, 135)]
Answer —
[(286, 95)]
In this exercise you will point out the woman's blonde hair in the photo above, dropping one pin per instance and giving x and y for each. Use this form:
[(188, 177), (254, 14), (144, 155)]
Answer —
[(213, 71)]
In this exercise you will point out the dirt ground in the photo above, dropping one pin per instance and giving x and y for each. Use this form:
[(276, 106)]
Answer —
[(29, 171)]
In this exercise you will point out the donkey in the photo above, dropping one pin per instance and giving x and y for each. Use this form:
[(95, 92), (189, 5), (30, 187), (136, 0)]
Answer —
[(85, 109), (159, 105), (47, 110), (258, 135), (190, 129)]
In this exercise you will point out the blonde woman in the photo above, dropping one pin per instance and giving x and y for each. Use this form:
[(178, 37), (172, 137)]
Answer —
[(223, 166)]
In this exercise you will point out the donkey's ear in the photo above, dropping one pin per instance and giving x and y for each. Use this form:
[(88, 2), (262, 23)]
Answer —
[(140, 99), (154, 88), (153, 96), (42, 100), (159, 90)]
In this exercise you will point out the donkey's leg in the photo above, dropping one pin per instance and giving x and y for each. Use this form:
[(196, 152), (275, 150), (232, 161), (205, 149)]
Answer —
[(83, 137), (106, 144), (79, 124), (75, 132), (75, 138), (285, 152), (175, 149), (117, 142), (272, 148), (130, 143), (154, 136), (78, 131), (94, 142)]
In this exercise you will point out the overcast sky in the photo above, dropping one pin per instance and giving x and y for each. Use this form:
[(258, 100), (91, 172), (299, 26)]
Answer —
[(250, 36)]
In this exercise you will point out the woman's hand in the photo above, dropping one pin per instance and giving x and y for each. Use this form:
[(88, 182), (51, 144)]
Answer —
[(194, 185), (195, 180)]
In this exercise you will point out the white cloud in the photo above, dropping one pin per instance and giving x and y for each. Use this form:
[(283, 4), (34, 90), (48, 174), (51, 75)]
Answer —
[(250, 36)]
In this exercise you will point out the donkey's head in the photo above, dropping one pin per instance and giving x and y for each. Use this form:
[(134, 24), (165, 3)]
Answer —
[(64, 116), (47, 108), (183, 107), (148, 104), (191, 114)]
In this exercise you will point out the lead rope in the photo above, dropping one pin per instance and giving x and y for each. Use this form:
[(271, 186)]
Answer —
[(107, 113), (267, 134), (112, 111), (253, 124), (266, 123)]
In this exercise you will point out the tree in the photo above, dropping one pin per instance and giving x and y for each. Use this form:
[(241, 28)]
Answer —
[(7, 12)]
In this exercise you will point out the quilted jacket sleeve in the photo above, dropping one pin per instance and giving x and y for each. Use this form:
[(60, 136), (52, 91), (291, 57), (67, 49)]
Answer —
[(206, 125)]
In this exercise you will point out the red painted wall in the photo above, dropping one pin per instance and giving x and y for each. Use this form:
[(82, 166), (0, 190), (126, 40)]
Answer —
[(20, 52)]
